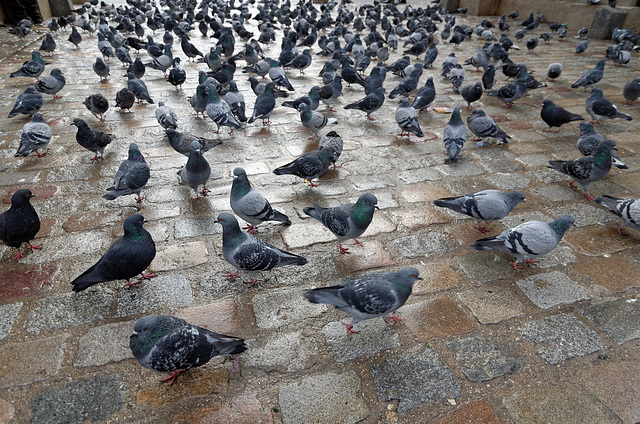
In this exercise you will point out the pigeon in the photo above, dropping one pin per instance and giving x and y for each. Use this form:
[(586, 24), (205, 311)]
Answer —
[(177, 75), (28, 102), (123, 55), (235, 100), (131, 177), (137, 68), (181, 143), (301, 61), (628, 209), (333, 141), (489, 77), (529, 240), (631, 91), (582, 46), (101, 68), (91, 139), (127, 257), (482, 126), (165, 343), (425, 96), (582, 32), (333, 90), (162, 62), (278, 76), (31, 68), (368, 296), (250, 205), (555, 116), (513, 91), (312, 99), (48, 44), (97, 104), (600, 108), (587, 169), (588, 142), (247, 252), (484, 206), (139, 88), (532, 43), (125, 99), (220, 112), (189, 49), (472, 92), (591, 77), (479, 60), (35, 135), (407, 119), (407, 85), (456, 77), (454, 136), (313, 120), (105, 47), (309, 166), (264, 106), (20, 223), (52, 83), (547, 36), (553, 71), (348, 221), (166, 116), (196, 171), (430, 56), (370, 103)]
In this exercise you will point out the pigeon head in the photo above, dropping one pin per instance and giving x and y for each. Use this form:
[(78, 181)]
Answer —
[(601, 64), (547, 104), (77, 122), (133, 227), (455, 116), (195, 146), (238, 173), (228, 221), (405, 278), (21, 196), (478, 113), (586, 127), (146, 332), (596, 92), (37, 117), (563, 223), (56, 72), (403, 103), (134, 152)]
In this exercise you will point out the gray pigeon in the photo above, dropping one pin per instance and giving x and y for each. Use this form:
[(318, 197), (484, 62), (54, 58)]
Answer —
[(309, 166), (28, 102), (628, 209), (333, 90), (165, 343), (91, 139), (35, 135), (265, 104), (247, 252), (631, 91), (600, 108), (139, 88), (200, 99), (513, 91), (313, 120), (370, 103), (348, 221), (31, 68), (101, 68), (127, 257), (196, 171), (455, 135), (20, 223), (588, 169), (125, 99), (425, 96), (278, 76), (333, 141), (97, 104), (553, 71), (484, 206), (582, 46), (529, 240), (166, 116), (131, 177), (368, 296), (250, 205), (163, 62), (407, 119), (52, 83), (48, 44), (591, 77), (220, 111), (235, 100), (589, 140), (407, 85), (482, 126), (472, 92), (181, 142)]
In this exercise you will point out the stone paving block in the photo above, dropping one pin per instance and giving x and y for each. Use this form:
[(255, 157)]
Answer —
[(563, 337), (8, 315), (586, 215), (419, 246), (28, 362), (196, 227), (483, 358), (618, 319), (588, 241), (477, 412), (180, 256), (435, 318), (219, 317), (26, 281), (460, 169), (243, 409), (551, 289), (415, 218), (288, 352), (616, 273), (279, 308), (557, 193), (104, 344), (482, 267), (425, 193), (87, 243), (94, 399), (492, 304), (617, 385), (436, 276), (414, 378), (165, 291), (69, 309), (368, 184), (374, 336), (297, 236), (327, 398), (509, 181), (561, 255), (419, 175), (372, 255), (7, 411)]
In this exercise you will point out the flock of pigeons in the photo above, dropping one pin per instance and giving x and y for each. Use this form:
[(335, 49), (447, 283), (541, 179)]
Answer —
[(349, 39)]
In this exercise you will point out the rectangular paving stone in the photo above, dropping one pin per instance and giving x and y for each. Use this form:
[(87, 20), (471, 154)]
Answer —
[(476, 411), (69, 310), (196, 227), (243, 409), (219, 317), (588, 240), (372, 255), (180, 256), (562, 337), (423, 216), (421, 246), (414, 378), (436, 276), (26, 281), (165, 291), (104, 344), (484, 358), (616, 272), (553, 288), (492, 304), (618, 319), (296, 237), (287, 352), (8, 315), (28, 362), (374, 336), (482, 267), (435, 318), (279, 308), (327, 398), (57, 248)]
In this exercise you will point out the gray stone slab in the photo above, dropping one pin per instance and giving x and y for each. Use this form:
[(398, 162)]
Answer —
[(564, 337), (605, 20), (491, 304), (482, 267), (374, 336), (551, 289), (8, 315), (483, 359), (94, 399), (509, 181), (561, 255), (288, 352), (460, 169), (70, 309), (414, 378), (162, 292), (421, 245), (585, 214), (196, 227), (514, 220), (328, 398), (86, 243), (283, 307), (104, 344), (618, 319), (28, 362)]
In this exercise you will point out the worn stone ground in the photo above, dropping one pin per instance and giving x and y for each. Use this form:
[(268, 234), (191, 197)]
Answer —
[(481, 342)]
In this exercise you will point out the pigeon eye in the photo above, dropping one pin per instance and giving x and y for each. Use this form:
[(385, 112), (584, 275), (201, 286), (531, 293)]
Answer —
[(144, 329)]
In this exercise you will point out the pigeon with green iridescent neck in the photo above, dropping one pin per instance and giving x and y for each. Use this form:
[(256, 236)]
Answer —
[(600, 108), (31, 68), (314, 120), (455, 135), (348, 221), (589, 140), (219, 111)]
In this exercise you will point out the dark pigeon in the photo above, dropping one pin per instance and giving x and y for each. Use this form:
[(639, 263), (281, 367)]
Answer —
[(20, 223), (91, 139), (555, 116), (309, 166), (132, 176)]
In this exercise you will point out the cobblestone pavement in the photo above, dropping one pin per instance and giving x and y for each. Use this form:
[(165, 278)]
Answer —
[(480, 342)]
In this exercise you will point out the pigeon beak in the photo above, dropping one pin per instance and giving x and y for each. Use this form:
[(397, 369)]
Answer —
[(615, 148), (419, 278), (376, 207)]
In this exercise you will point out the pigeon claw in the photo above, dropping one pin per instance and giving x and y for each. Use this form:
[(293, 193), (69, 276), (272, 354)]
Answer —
[(622, 231), (395, 319), (251, 229), (515, 265), (139, 199), (251, 282), (205, 191), (236, 366), (310, 183), (33, 247), (343, 250), (530, 262), (146, 276), (358, 242), (18, 256), (370, 118), (172, 377), (350, 329), (572, 185), (133, 285), (590, 197), (481, 229), (231, 275)]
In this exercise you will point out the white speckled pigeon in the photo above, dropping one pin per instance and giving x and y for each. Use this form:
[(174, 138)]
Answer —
[(600, 108), (333, 141), (166, 116), (407, 119), (220, 111)]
